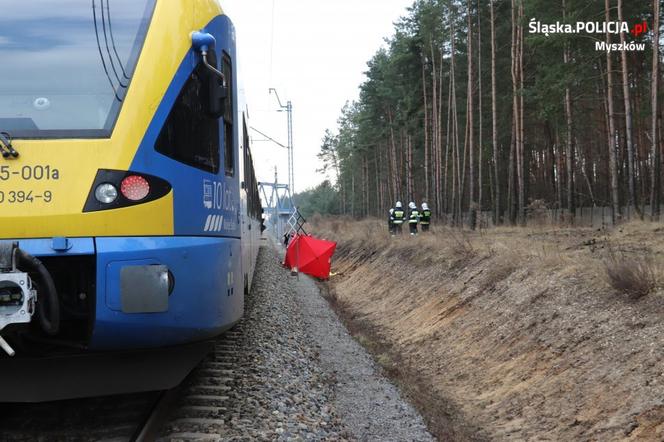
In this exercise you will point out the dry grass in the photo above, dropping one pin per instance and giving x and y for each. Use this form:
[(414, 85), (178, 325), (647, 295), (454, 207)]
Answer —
[(619, 257), (454, 247), (633, 277), (497, 274)]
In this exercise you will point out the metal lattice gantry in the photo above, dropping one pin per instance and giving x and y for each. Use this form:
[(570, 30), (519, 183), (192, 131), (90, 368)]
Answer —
[(296, 223), (288, 108), (278, 205)]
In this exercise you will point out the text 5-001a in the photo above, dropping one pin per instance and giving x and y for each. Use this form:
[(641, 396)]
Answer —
[(23, 197), (28, 173)]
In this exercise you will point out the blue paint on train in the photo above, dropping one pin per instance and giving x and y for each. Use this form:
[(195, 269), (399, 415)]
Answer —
[(208, 291), (201, 305), (44, 247), (199, 197)]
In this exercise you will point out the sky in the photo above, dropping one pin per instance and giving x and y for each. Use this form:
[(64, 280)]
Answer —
[(314, 53)]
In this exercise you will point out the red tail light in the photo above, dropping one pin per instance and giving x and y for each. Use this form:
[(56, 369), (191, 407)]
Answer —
[(135, 188)]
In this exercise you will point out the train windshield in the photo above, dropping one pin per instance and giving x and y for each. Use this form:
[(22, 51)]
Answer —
[(65, 66)]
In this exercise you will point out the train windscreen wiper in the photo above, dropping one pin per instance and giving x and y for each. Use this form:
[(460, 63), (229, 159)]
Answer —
[(6, 147)]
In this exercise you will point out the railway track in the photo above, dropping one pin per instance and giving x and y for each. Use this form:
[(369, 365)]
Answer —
[(193, 410), (262, 381), (201, 410)]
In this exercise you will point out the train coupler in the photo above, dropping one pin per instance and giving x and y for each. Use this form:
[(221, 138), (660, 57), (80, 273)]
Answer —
[(17, 296)]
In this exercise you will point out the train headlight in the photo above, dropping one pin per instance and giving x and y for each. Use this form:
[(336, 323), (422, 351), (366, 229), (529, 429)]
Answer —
[(135, 188), (115, 189), (106, 193)]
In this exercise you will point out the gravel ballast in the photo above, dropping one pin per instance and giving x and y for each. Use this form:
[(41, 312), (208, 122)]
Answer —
[(294, 373), (369, 405)]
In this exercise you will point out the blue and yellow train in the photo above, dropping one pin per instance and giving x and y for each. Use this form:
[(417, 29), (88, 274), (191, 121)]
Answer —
[(130, 218)]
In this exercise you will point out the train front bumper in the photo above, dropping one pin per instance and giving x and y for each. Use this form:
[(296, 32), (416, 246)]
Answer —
[(155, 291)]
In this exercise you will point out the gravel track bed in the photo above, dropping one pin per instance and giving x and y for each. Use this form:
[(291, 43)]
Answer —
[(268, 383), (369, 405), (294, 373)]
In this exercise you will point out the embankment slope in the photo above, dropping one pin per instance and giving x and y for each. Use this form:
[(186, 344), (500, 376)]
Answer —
[(510, 334)]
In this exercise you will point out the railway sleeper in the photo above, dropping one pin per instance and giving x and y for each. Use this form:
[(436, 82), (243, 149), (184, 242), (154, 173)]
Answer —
[(196, 425), (201, 411), (220, 373), (190, 436), (216, 390), (205, 400)]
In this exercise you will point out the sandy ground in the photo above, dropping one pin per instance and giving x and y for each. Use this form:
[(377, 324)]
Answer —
[(511, 334)]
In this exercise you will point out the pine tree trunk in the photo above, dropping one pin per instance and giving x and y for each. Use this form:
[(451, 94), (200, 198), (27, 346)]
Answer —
[(611, 146), (479, 112), (511, 191), (434, 112), (379, 187), (494, 117), (631, 182), (516, 107), (442, 196), (352, 193), (522, 161), (426, 129), (396, 183), (469, 124), (655, 171), (409, 168), (366, 186), (569, 156), (458, 185), (448, 139)]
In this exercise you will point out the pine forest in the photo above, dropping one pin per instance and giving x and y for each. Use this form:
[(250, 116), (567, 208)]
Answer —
[(472, 107)]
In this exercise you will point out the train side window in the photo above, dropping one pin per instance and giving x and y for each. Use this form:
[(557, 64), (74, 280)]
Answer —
[(229, 145), (189, 134)]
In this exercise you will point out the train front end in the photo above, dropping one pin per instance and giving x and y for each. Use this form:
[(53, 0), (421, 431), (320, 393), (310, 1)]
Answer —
[(120, 223)]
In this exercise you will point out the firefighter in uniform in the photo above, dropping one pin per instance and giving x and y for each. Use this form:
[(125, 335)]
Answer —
[(390, 223), (425, 217), (413, 218), (398, 217)]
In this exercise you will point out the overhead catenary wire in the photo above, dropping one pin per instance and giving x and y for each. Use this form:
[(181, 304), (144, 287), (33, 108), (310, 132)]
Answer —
[(268, 137), (108, 49), (115, 49), (101, 53)]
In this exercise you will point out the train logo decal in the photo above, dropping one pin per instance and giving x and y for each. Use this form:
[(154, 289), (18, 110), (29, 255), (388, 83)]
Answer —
[(207, 195), (214, 223), (218, 196)]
